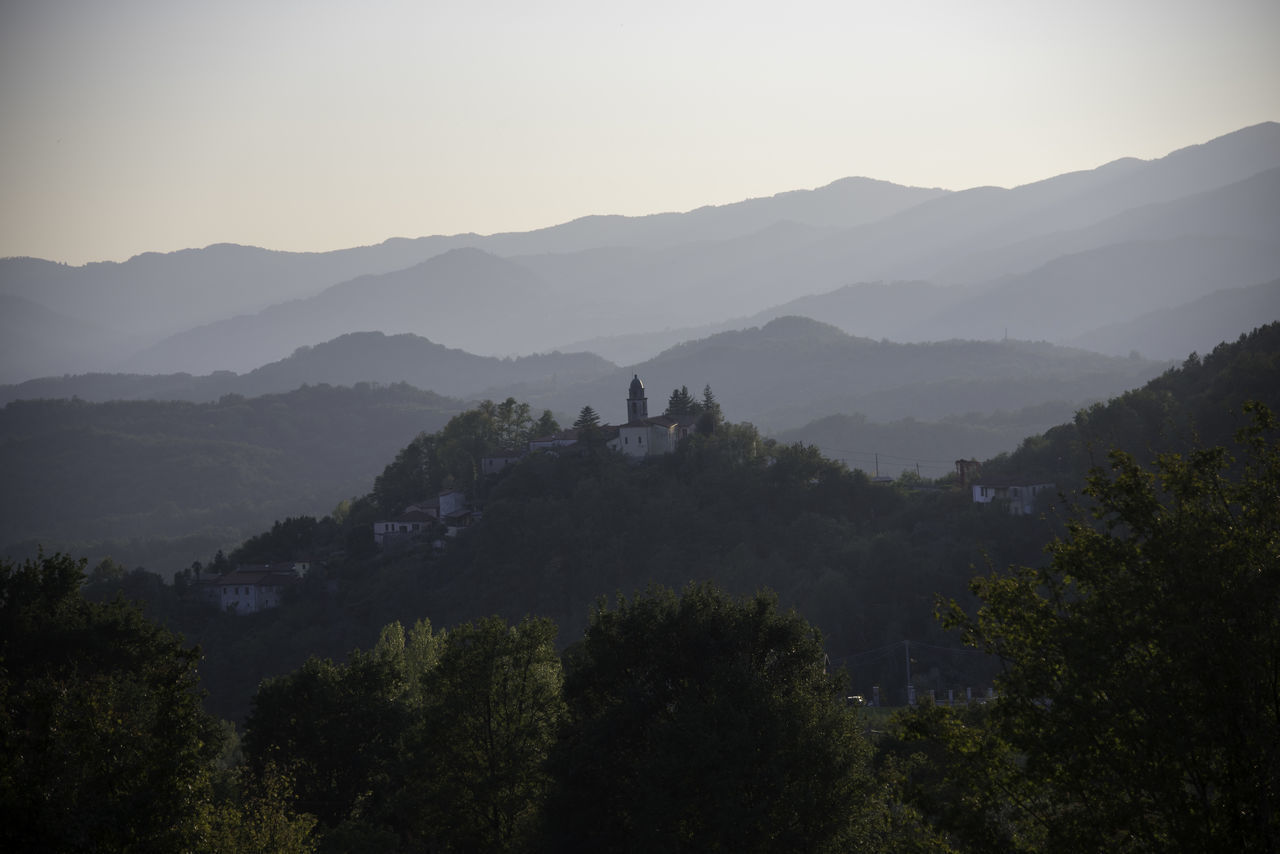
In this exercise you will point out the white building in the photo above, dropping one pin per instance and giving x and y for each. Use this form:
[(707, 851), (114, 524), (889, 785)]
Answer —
[(1019, 494), (249, 589), (448, 508), (404, 526), (643, 436)]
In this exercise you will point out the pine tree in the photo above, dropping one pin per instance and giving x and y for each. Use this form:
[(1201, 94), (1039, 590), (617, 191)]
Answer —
[(587, 417), (681, 403)]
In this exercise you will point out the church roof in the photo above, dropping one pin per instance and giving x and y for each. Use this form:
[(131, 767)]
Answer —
[(637, 387)]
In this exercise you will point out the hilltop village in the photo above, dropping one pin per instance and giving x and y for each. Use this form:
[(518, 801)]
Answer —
[(638, 437), (250, 588), (643, 436)]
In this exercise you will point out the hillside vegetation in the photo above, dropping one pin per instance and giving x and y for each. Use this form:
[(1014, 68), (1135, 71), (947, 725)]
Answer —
[(158, 483), (645, 672), (863, 561)]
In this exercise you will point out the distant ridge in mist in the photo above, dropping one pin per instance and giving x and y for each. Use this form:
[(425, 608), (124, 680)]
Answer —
[(1031, 259), (793, 370), (368, 357)]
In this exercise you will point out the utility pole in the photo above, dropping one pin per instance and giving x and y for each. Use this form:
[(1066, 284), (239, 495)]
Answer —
[(911, 689)]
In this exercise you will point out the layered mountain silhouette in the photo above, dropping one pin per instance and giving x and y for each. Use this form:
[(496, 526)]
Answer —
[(779, 375), (154, 296), (795, 369), (1056, 260), (357, 357), (1203, 324)]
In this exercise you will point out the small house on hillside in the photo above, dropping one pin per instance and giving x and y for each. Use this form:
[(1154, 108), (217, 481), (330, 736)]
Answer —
[(404, 526), (251, 588), (1020, 494), (449, 508)]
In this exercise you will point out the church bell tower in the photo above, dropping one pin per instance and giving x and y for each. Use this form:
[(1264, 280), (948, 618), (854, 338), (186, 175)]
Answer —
[(637, 403)]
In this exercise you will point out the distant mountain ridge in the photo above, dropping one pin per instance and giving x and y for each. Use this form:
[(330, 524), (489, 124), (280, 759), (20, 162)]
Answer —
[(1204, 323), (195, 287), (357, 357), (237, 308), (792, 370), (781, 374), (462, 289)]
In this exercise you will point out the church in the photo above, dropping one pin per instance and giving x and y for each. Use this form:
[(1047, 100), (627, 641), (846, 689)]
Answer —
[(642, 436)]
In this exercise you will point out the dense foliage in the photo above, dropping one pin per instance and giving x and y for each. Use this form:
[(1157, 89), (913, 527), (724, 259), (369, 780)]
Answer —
[(452, 457), (860, 559), (103, 743), (1139, 698), (1196, 405), (471, 739), (697, 723)]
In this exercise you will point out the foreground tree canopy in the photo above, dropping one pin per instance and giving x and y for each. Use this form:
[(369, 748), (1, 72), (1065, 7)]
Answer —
[(692, 722), (701, 723), (103, 744), (1140, 696)]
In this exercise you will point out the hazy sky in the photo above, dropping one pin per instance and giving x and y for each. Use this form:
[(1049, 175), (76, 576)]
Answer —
[(137, 125)]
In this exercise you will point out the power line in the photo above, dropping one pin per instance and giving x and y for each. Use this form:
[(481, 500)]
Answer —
[(888, 456)]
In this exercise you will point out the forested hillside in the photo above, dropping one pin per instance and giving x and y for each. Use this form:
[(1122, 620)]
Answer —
[(154, 483), (1198, 404), (864, 561)]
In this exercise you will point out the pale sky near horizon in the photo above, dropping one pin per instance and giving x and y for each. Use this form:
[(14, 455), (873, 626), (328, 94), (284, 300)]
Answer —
[(155, 125)]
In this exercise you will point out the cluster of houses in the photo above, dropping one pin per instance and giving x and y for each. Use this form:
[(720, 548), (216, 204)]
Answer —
[(644, 436), (448, 511), (249, 589)]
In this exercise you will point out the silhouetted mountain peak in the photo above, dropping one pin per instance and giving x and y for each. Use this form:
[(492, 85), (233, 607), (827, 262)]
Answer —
[(795, 327)]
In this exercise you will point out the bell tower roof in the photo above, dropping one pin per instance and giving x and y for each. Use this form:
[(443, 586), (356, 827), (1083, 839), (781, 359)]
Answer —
[(637, 387)]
